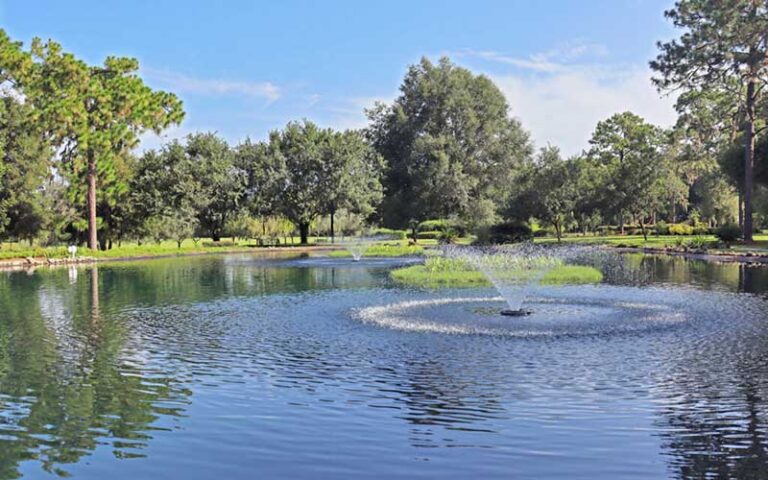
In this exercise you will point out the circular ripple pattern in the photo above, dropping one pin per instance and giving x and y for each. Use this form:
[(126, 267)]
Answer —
[(551, 316)]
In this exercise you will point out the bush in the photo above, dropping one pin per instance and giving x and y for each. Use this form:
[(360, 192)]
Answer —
[(540, 233), (449, 236), (393, 234), (432, 226), (607, 230), (697, 243), (701, 229), (729, 232), (429, 235), (509, 232), (662, 228), (220, 243), (680, 229)]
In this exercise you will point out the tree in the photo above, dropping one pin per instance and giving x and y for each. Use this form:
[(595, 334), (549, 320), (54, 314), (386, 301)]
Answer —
[(549, 191), (725, 45), (629, 151), (264, 175), (93, 114), (164, 193), (25, 167), (448, 142), (352, 176), (221, 183), (300, 153)]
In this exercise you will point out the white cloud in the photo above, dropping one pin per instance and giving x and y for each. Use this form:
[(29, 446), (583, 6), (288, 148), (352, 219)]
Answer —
[(558, 59), (560, 102), (213, 86), (563, 108)]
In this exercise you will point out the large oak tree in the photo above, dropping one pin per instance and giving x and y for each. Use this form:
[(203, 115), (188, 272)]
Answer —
[(449, 142)]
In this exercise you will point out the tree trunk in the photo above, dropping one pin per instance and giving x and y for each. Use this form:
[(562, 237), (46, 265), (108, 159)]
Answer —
[(333, 232), (215, 236), (304, 232), (642, 229), (749, 159), (178, 243), (741, 211), (93, 242), (621, 223), (558, 232)]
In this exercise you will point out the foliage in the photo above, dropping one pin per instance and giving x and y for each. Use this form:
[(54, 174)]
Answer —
[(728, 233), (680, 229), (627, 150), (547, 191), (93, 114), (722, 49), (449, 142), (506, 232)]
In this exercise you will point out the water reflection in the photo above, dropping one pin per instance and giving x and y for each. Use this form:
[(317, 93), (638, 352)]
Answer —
[(246, 363), (65, 384)]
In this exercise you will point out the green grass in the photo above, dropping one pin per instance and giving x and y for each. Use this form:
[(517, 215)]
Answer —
[(132, 249), (384, 251), (439, 272), (661, 241)]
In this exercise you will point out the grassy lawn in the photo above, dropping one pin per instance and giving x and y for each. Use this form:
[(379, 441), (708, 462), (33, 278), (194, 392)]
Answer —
[(383, 250), (440, 272), (146, 249), (661, 241)]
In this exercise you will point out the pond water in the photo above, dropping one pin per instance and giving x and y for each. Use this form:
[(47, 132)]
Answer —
[(244, 366)]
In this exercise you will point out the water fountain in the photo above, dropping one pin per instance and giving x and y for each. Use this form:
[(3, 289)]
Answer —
[(357, 246), (514, 270), (546, 288)]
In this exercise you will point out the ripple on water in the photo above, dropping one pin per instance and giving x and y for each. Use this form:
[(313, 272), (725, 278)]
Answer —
[(551, 316)]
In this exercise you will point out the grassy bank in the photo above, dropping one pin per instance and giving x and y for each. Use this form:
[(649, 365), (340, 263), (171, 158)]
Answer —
[(760, 244), (440, 272), (134, 250), (383, 251)]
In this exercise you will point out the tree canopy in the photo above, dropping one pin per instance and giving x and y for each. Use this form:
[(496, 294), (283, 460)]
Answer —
[(448, 141)]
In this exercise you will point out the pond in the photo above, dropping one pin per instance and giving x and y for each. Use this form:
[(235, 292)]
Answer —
[(242, 366)]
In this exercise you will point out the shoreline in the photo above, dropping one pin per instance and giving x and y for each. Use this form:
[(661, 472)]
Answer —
[(28, 263), (716, 256)]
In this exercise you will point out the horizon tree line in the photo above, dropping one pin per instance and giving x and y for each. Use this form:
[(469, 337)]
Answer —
[(446, 147)]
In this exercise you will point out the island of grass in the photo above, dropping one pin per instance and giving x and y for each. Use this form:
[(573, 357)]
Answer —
[(439, 272)]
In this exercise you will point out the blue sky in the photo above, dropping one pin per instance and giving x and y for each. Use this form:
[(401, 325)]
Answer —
[(244, 68)]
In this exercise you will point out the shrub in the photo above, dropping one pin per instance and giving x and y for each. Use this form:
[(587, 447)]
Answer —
[(509, 232), (680, 229), (701, 229), (220, 243), (662, 228), (448, 236), (607, 230), (393, 234), (540, 233), (728, 233), (429, 235), (698, 243), (432, 225)]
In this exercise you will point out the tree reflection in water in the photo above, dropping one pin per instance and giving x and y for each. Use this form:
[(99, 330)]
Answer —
[(66, 383)]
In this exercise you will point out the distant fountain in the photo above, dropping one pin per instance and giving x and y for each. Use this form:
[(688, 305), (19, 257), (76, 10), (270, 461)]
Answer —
[(357, 246), (513, 270)]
